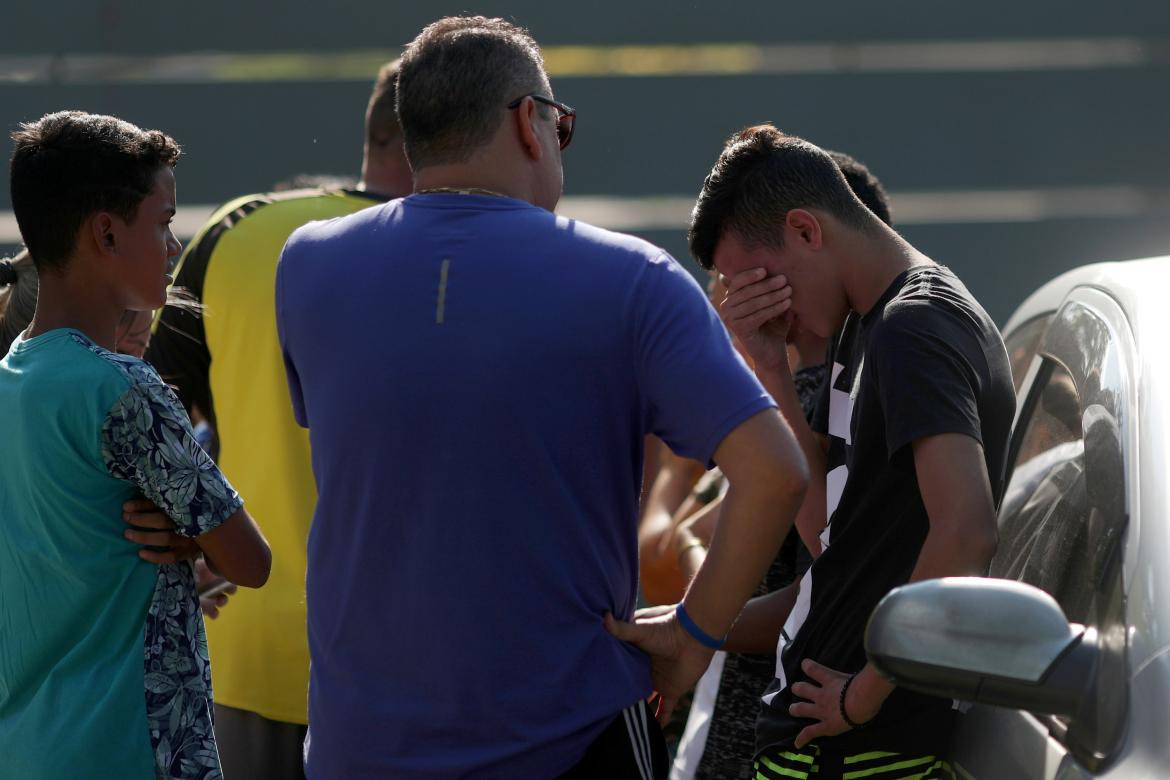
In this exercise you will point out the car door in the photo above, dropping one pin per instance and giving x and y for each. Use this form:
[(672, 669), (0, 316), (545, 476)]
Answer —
[(1061, 528)]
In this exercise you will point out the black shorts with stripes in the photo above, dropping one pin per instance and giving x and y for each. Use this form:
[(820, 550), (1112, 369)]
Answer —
[(630, 748)]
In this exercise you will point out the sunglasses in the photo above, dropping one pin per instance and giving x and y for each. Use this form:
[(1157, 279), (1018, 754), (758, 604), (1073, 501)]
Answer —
[(566, 116)]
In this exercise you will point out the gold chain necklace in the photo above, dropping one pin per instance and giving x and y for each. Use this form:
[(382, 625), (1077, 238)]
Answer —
[(461, 191)]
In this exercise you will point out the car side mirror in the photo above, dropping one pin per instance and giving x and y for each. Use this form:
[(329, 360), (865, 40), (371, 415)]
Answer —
[(999, 642)]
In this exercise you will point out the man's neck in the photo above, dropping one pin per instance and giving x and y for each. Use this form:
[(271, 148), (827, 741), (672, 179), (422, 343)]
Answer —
[(877, 261), (470, 177), (388, 186), (65, 301)]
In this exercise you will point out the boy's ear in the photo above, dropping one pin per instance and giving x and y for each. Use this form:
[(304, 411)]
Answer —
[(101, 229), (806, 227)]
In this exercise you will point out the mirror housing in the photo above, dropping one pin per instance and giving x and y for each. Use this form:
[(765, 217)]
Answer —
[(999, 642)]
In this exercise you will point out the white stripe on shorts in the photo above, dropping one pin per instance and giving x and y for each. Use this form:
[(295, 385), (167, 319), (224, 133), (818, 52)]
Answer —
[(636, 742)]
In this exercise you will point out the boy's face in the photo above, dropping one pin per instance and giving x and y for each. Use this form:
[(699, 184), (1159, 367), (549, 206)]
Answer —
[(817, 306), (146, 246)]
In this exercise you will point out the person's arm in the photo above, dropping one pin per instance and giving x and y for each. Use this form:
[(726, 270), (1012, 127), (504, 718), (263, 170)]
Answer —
[(697, 394), (661, 579), (214, 591), (234, 549), (767, 478), (700, 523), (755, 311), (812, 518), (237, 551), (155, 531), (670, 559), (956, 491), (761, 621), (147, 441)]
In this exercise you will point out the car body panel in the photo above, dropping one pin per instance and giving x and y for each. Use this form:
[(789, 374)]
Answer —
[(1130, 302)]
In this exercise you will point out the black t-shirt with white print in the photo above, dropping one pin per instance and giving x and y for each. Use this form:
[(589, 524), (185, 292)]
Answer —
[(925, 360)]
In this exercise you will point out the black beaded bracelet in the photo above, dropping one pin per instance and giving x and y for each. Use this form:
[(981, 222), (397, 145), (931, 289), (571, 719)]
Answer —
[(841, 705)]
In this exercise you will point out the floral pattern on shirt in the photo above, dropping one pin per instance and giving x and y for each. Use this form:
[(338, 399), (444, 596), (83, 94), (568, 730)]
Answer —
[(147, 440)]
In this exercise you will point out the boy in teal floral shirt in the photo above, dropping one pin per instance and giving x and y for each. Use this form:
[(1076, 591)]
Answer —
[(103, 661)]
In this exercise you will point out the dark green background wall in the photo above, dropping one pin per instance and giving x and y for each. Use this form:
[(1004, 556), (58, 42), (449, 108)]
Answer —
[(1061, 130)]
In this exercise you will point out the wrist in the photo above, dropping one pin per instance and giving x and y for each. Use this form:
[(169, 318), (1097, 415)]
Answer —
[(694, 631), (683, 545), (862, 697), (843, 705), (775, 369)]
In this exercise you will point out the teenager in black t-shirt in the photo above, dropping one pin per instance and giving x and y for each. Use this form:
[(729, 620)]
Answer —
[(908, 458)]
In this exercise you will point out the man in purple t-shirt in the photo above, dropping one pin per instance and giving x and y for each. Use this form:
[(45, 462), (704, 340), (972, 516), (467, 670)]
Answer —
[(477, 375)]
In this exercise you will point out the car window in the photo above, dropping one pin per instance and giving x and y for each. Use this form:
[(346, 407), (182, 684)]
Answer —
[(1044, 514), (1022, 344), (1062, 520), (1063, 511)]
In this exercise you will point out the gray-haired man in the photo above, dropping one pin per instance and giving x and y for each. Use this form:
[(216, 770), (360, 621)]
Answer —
[(478, 376)]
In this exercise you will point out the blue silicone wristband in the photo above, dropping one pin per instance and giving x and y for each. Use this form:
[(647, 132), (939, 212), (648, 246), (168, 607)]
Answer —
[(693, 629)]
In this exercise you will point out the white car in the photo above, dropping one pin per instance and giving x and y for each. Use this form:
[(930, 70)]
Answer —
[(1070, 672)]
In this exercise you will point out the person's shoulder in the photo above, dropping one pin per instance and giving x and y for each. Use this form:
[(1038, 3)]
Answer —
[(131, 371), (607, 254), (931, 299), (335, 216), (281, 213), (302, 207), (591, 238), (108, 374)]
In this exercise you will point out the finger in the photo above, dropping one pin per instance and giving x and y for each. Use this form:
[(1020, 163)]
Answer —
[(139, 504), (742, 279), (159, 558), (742, 307), (627, 632), (758, 293), (210, 609), (153, 519), (804, 709), (151, 538), (229, 590), (806, 691), (809, 733), (749, 325), (652, 612), (821, 674), (753, 276), (665, 709)]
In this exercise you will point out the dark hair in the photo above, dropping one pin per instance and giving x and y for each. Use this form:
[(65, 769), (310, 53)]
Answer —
[(455, 80), (760, 176), (865, 185), (18, 297), (382, 126), (69, 165)]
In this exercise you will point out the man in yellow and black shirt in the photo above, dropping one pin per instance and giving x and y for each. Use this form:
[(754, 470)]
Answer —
[(225, 361)]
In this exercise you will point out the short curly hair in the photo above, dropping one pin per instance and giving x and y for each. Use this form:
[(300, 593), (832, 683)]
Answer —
[(69, 165)]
